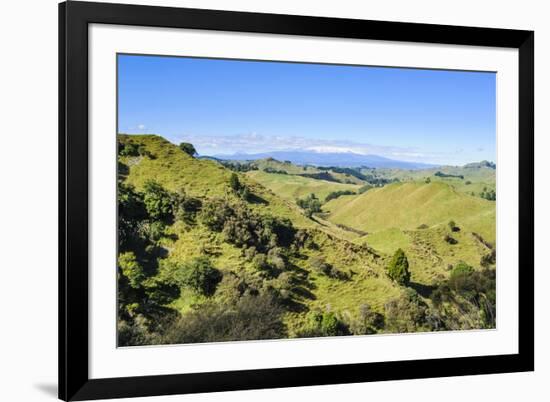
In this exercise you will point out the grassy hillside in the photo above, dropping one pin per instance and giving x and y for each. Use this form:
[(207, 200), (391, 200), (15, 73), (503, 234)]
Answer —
[(288, 167), (201, 260), (172, 168), (175, 170), (291, 187), (468, 179), (430, 256), (271, 165), (305, 288), (411, 204)]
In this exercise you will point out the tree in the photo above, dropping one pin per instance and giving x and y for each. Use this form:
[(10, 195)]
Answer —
[(185, 207), (488, 194), (188, 148), (398, 269), (240, 189), (202, 276), (234, 182), (131, 211), (324, 323), (310, 204), (128, 149), (335, 194), (158, 201), (131, 269)]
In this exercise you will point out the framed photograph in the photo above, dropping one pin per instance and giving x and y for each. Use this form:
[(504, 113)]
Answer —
[(257, 200)]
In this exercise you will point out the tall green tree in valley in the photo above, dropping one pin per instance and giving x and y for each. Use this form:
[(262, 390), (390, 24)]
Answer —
[(398, 268)]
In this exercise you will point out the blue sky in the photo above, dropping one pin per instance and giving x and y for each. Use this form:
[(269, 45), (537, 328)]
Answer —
[(230, 106)]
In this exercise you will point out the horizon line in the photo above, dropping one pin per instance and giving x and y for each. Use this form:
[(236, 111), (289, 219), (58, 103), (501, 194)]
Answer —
[(221, 155)]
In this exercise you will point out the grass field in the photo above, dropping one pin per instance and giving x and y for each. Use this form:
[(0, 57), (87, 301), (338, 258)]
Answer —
[(291, 187), (474, 179), (408, 205)]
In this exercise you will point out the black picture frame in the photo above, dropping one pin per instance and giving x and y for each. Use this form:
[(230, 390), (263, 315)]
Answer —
[(74, 381)]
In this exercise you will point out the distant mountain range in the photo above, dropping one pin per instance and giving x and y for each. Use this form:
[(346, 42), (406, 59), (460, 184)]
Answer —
[(340, 159)]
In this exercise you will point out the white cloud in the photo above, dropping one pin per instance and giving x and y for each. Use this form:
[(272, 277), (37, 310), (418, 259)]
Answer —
[(251, 143), (323, 149), (141, 126)]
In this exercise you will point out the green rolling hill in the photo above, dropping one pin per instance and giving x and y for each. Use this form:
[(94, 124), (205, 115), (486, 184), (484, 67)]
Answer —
[(327, 278), (166, 164), (471, 179), (411, 204), (291, 187)]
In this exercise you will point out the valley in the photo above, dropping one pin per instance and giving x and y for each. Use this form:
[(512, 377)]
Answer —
[(215, 249)]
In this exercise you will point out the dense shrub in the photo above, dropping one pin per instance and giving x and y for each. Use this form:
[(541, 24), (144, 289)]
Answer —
[(133, 149), (234, 182), (347, 171), (272, 170), (215, 213), (250, 318), (309, 204), (323, 324), (128, 149), (134, 331), (277, 259), (244, 228), (398, 268), (365, 188), (366, 322), (336, 194), (160, 292), (158, 201), (473, 295), (441, 174), (488, 194), (131, 211), (238, 166), (461, 269), (319, 265), (151, 230), (201, 276), (185, 207), (407, 313), (240, 189), (131, 269)]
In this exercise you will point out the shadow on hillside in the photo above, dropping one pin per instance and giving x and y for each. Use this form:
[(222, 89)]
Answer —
[(421, 289), (255, 199), (301, 289)]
